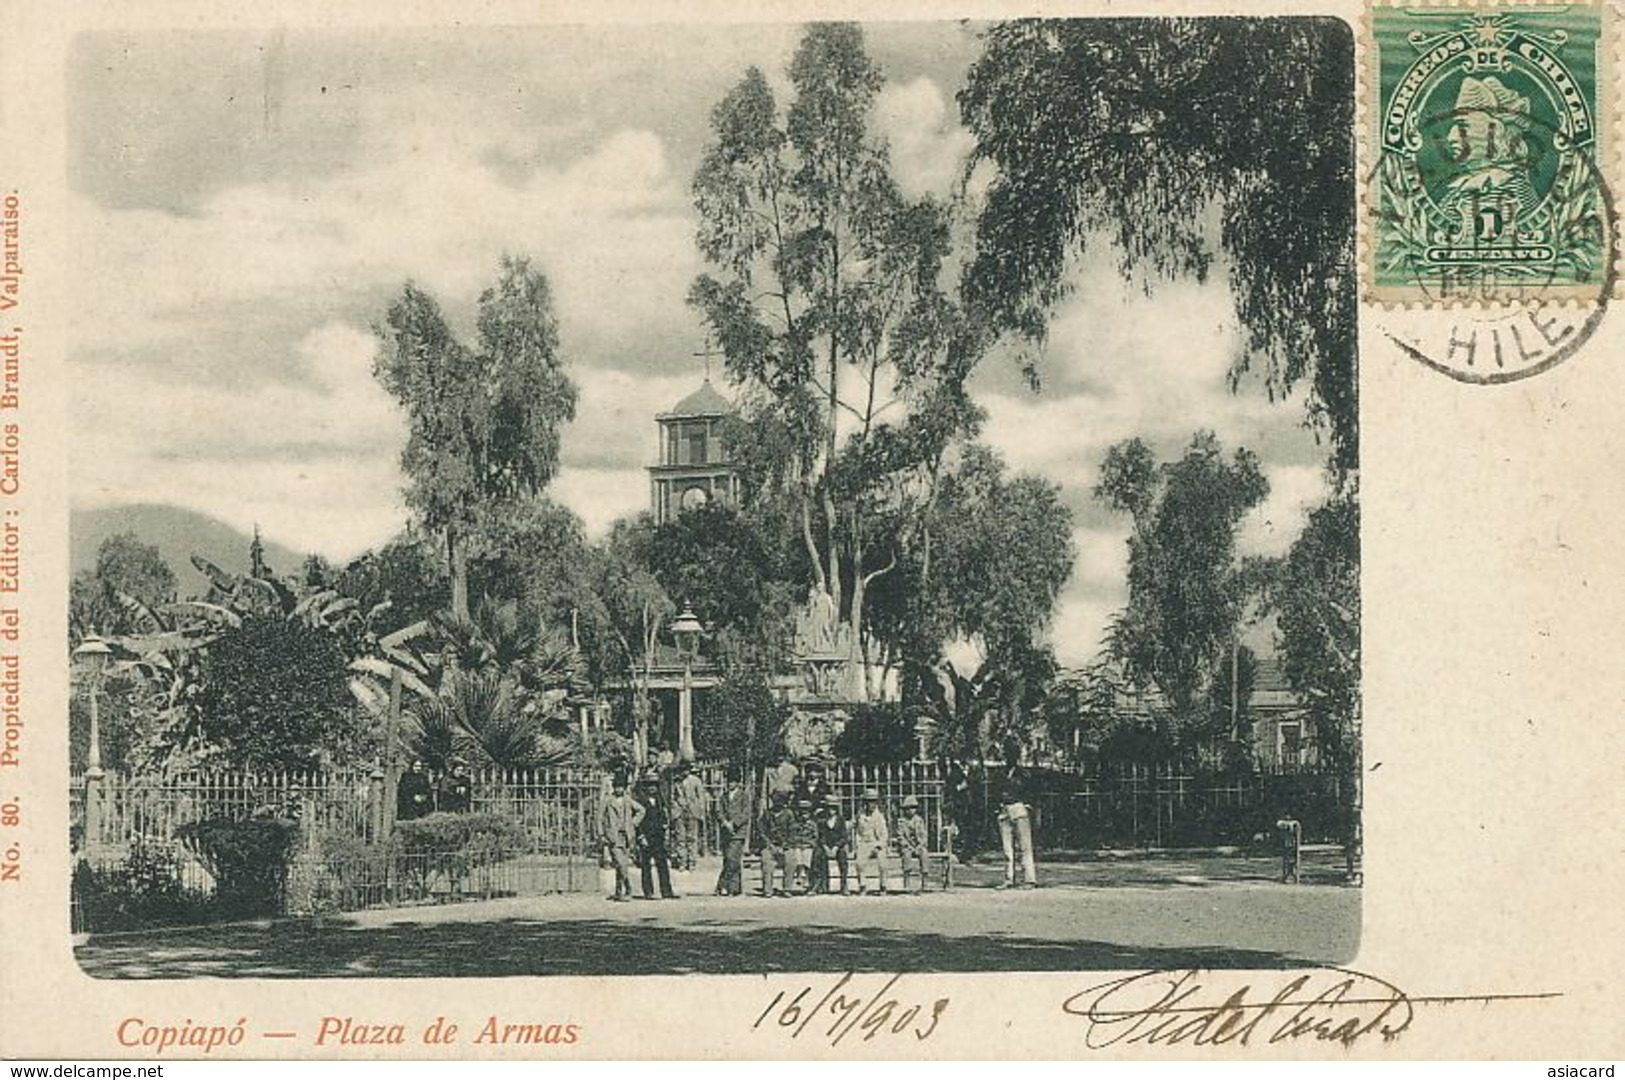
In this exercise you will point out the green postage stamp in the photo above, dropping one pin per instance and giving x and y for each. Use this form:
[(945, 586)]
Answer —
[(1490, 142)]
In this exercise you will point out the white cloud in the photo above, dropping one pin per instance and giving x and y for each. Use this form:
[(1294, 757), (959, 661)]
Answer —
[(1080, 624), (433, 212), (611, 229), (313, 462), (1276, 523), (600, 496), (928, 146), (1097, 589)]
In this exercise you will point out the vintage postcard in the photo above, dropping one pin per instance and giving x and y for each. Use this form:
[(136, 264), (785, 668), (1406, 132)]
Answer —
[(807, 530)]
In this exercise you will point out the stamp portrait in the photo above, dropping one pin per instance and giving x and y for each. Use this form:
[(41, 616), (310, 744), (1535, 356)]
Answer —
[(1488, 141)]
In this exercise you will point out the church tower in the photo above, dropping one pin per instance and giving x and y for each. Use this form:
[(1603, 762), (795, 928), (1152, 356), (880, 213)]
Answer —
[(693, 469)]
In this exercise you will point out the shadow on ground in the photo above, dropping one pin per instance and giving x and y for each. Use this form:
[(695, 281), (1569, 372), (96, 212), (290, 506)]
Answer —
[(604, 947), (1157, 871)]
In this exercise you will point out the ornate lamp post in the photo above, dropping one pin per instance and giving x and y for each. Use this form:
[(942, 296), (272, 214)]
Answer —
[(94, 654), (686, 629)]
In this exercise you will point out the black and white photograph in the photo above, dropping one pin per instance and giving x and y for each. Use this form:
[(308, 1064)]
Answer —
[(725, 498)]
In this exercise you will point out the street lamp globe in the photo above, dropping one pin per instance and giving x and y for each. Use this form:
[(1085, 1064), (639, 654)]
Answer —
[(93, 653), (686, 629)]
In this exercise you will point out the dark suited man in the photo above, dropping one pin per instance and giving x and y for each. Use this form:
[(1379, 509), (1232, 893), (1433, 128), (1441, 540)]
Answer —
[(653, 857), (733, 815), (834, 840)]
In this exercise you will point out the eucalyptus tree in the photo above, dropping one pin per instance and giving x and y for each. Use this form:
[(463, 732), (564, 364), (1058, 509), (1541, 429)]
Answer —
[(483, 421), (826, 295), (1186, 584)]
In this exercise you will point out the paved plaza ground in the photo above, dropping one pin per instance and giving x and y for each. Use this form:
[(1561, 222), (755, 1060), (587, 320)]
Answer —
[(1099, 913)]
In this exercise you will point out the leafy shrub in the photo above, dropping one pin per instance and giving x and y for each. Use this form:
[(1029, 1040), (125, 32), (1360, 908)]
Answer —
[(877, 734), (144, 890), (353, 874), (248, 858), (448, 845)]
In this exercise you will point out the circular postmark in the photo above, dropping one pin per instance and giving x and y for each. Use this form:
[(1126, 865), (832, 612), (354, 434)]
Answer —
[(1488, 203)]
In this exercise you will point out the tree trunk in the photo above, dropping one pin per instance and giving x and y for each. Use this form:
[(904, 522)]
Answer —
[(812, 547), (457, 558)]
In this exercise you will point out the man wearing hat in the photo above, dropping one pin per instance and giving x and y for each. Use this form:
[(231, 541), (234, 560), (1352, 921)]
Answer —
[(733, 814), (618, 821), (653, 857), (814, 784), (834, 840), (691, 804), (776, 844), (912, 842), (871, 837)]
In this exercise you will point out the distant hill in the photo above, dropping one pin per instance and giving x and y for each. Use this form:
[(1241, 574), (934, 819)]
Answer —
[(177, 534)]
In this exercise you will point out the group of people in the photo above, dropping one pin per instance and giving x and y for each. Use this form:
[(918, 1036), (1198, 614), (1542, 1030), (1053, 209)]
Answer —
[(637, 826), (807, 845), (419, 794), (807, 841)]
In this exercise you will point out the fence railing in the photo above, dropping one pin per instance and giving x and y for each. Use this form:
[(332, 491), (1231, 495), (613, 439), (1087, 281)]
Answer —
[(127, 831), (1165, 808), (132, 825)]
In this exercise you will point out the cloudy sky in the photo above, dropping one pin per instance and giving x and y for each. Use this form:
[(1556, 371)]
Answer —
[(247, 205)]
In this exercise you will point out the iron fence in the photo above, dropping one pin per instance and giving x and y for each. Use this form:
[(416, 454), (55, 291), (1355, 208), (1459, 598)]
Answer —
[(127, 832), (1164, 808)]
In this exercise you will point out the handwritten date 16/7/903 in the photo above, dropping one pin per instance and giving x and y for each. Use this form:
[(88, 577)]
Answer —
[(835, 1012)]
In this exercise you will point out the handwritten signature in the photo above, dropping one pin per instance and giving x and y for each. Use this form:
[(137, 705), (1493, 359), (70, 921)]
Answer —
[(1166, 1008), (850, 1005)]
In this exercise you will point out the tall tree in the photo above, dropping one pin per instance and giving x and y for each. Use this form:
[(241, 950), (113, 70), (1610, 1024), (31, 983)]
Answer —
[(826, 300), (483, 422), (1002, 549), (629, 611), (129, 573), (731, 569), (1186, 585), (1316, 596), (1141, 132)]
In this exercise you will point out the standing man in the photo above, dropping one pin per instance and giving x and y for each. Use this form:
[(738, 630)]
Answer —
[(692, 804), (1290, 831), (956, 808), (414, 798), (834, 840), (733, 816), (652, 853), (1015, 821), (912, 842), (871, 837), (618, 821)]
